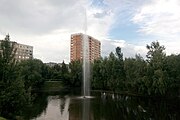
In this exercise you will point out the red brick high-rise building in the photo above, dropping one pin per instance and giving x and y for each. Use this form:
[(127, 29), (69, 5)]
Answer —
[(76, 52)]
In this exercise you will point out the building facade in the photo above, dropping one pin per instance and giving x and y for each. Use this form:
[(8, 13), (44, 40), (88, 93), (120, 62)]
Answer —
[(76, 52), (22, 51)]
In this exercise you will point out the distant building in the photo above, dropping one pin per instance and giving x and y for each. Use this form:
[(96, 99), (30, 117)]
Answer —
[(51, 64), (23, 52), (76, 46)]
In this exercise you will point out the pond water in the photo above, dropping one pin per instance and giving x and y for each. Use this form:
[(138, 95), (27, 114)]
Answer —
[(102, 106)]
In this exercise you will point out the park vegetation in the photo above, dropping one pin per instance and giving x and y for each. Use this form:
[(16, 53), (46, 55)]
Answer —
[(156, 75)]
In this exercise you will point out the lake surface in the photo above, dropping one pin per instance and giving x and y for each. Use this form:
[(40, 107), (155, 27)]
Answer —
[(70, 106)]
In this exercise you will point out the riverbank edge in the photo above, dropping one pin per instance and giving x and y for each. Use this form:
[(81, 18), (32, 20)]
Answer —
[(1, 118), (135, 94), (56, 86), (51, 86)]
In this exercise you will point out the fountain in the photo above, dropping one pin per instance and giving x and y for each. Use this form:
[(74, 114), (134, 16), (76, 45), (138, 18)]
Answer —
[(86, 67), (86, 62), (86, 74)]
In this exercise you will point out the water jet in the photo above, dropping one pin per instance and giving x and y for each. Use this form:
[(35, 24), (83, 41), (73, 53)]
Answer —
[(86, 62)]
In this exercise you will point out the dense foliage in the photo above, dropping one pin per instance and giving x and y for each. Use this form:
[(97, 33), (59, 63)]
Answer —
[(157, 75), (17, 79), (13, 95)]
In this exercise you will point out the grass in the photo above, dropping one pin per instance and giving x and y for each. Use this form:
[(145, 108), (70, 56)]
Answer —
[(1, 118), (52, 86)]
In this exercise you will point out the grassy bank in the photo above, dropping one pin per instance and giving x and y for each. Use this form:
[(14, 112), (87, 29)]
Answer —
[(52, 86), (1, 118)]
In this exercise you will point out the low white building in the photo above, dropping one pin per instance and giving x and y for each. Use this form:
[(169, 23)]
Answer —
[(23, 52)]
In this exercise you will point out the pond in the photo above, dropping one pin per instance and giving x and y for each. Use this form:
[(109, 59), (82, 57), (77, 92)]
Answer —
[(101, 106)]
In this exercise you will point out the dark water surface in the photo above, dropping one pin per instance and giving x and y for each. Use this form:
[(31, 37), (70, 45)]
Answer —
[(65, 106)]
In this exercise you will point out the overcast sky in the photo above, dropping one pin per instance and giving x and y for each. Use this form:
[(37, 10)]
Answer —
[(129, 24)]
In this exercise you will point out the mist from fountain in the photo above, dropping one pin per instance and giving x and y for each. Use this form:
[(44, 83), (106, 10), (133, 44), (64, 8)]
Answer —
[(86, 62)]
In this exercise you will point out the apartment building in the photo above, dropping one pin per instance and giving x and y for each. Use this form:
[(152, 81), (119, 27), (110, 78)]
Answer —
[(76, 52), (23, 51)]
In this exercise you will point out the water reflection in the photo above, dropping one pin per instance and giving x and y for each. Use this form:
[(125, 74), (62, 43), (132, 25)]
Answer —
[(114, 107), (86, 109), (58, 108), (105, 107), (35, 109)]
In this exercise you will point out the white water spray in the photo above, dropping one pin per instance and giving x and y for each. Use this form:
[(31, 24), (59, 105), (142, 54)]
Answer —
[(86, 62), (86, 74)]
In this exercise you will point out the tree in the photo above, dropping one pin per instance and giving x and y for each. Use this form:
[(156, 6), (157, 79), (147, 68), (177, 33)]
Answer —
[(64, 71), (135, 69), (156, 73), (119, 53), (57, 72), (108, 73), (47, 72), (75, 74), (97, 74), (7, 59), (12, 93), (111, 70), (155, 55), (115, 70), (31, 73), (172, 66), (64, 68), (120, 69)]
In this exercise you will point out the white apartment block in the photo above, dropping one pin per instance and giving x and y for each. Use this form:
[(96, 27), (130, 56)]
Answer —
[(23, 52)]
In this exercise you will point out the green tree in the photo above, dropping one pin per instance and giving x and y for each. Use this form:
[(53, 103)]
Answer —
[(97, 81), (64, 68), (57, 72), (31, 73), (157, 79), (108, 73), (104, 73), (120, 72), (172, 66), (64, 71), (47, 72), (112, 81), (7, 59), (100, 75), (75, 74), (12, 93), (136, 71), (115, 70), (119, 53)]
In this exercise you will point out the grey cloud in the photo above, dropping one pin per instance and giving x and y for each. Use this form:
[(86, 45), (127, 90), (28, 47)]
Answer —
[(40, 17), (101, 14)]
